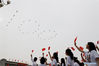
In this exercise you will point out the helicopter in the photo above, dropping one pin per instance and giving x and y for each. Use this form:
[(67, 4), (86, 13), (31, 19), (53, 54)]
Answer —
[(2, 3)]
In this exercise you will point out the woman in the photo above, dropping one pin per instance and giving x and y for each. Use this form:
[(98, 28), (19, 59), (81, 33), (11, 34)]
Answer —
[(54, 59), (85, 52), (70, 58), (94, 56)]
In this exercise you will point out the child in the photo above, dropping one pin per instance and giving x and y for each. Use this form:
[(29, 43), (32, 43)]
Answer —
[(54, 59), (34, 61), (42, 61)]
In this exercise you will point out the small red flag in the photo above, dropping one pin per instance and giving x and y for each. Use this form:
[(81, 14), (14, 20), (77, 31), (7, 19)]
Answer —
[(83, 54), (46, 55), (97, 42), (32, 51), (75, 39), (43, 49), (81, 48), (73, 48), (49, 48)]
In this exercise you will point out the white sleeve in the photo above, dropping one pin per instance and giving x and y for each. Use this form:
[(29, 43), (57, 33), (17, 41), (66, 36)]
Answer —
[(68, 61), (54, 61), (96, 55), (32, 60)]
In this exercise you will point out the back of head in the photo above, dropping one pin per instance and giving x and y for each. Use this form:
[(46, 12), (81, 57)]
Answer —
[(42, 60), (62, 61), (91, 46), (55, 56), (69, 53), (35, 59)]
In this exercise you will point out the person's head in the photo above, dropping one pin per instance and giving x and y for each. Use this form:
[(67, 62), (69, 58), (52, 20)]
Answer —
[(62, 61), (35, 59), (69, 53), (91, 46), (42, 60), (55, 56)]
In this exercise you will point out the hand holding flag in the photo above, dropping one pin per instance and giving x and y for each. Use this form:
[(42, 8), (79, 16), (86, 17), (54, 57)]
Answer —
[(32, 51), (49, 48), (98, 42), (81, 48), (75, 40)]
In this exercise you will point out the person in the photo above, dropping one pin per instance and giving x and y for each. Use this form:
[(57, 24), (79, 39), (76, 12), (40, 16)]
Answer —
[(94, 56), (62, 62), (34, 61), (54, 59), (85, 52), (42, 61), (70, 57), (77, 62)]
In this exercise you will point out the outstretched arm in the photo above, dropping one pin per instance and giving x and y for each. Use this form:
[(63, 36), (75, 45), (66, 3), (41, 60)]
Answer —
[(50, 55), (83, 58), (78, 47), (31, 57)]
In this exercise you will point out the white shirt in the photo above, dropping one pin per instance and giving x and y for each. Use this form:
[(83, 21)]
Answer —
[(69, 61), (42, 65), (33, 63), (54, 62), (76, 64), (93, 56)]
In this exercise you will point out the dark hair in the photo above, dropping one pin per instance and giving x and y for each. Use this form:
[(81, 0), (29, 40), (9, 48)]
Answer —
[(77, 61), (91, 46), (55, 55), (35, 59), (69, 52), (42, 60), (63, 61)]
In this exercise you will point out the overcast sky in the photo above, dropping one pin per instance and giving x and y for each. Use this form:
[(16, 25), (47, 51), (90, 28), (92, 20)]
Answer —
[(34, 24)]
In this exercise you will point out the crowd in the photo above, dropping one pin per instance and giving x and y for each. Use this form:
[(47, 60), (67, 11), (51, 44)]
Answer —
[(89, 58)]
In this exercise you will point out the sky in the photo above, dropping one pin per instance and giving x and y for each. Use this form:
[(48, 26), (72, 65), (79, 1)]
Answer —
[(27, 25)]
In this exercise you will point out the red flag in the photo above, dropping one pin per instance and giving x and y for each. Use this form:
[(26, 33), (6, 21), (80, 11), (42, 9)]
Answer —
[(83, 54), (81, 48), (73, 48), (49, 48), (46, 55), (43, 49), (32, 51), (75, 39), (97, 42)]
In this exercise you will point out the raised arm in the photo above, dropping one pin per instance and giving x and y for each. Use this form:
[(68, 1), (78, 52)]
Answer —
[(50, 55), (83, 58), (78, 47), (43, 54), (31, 57)]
